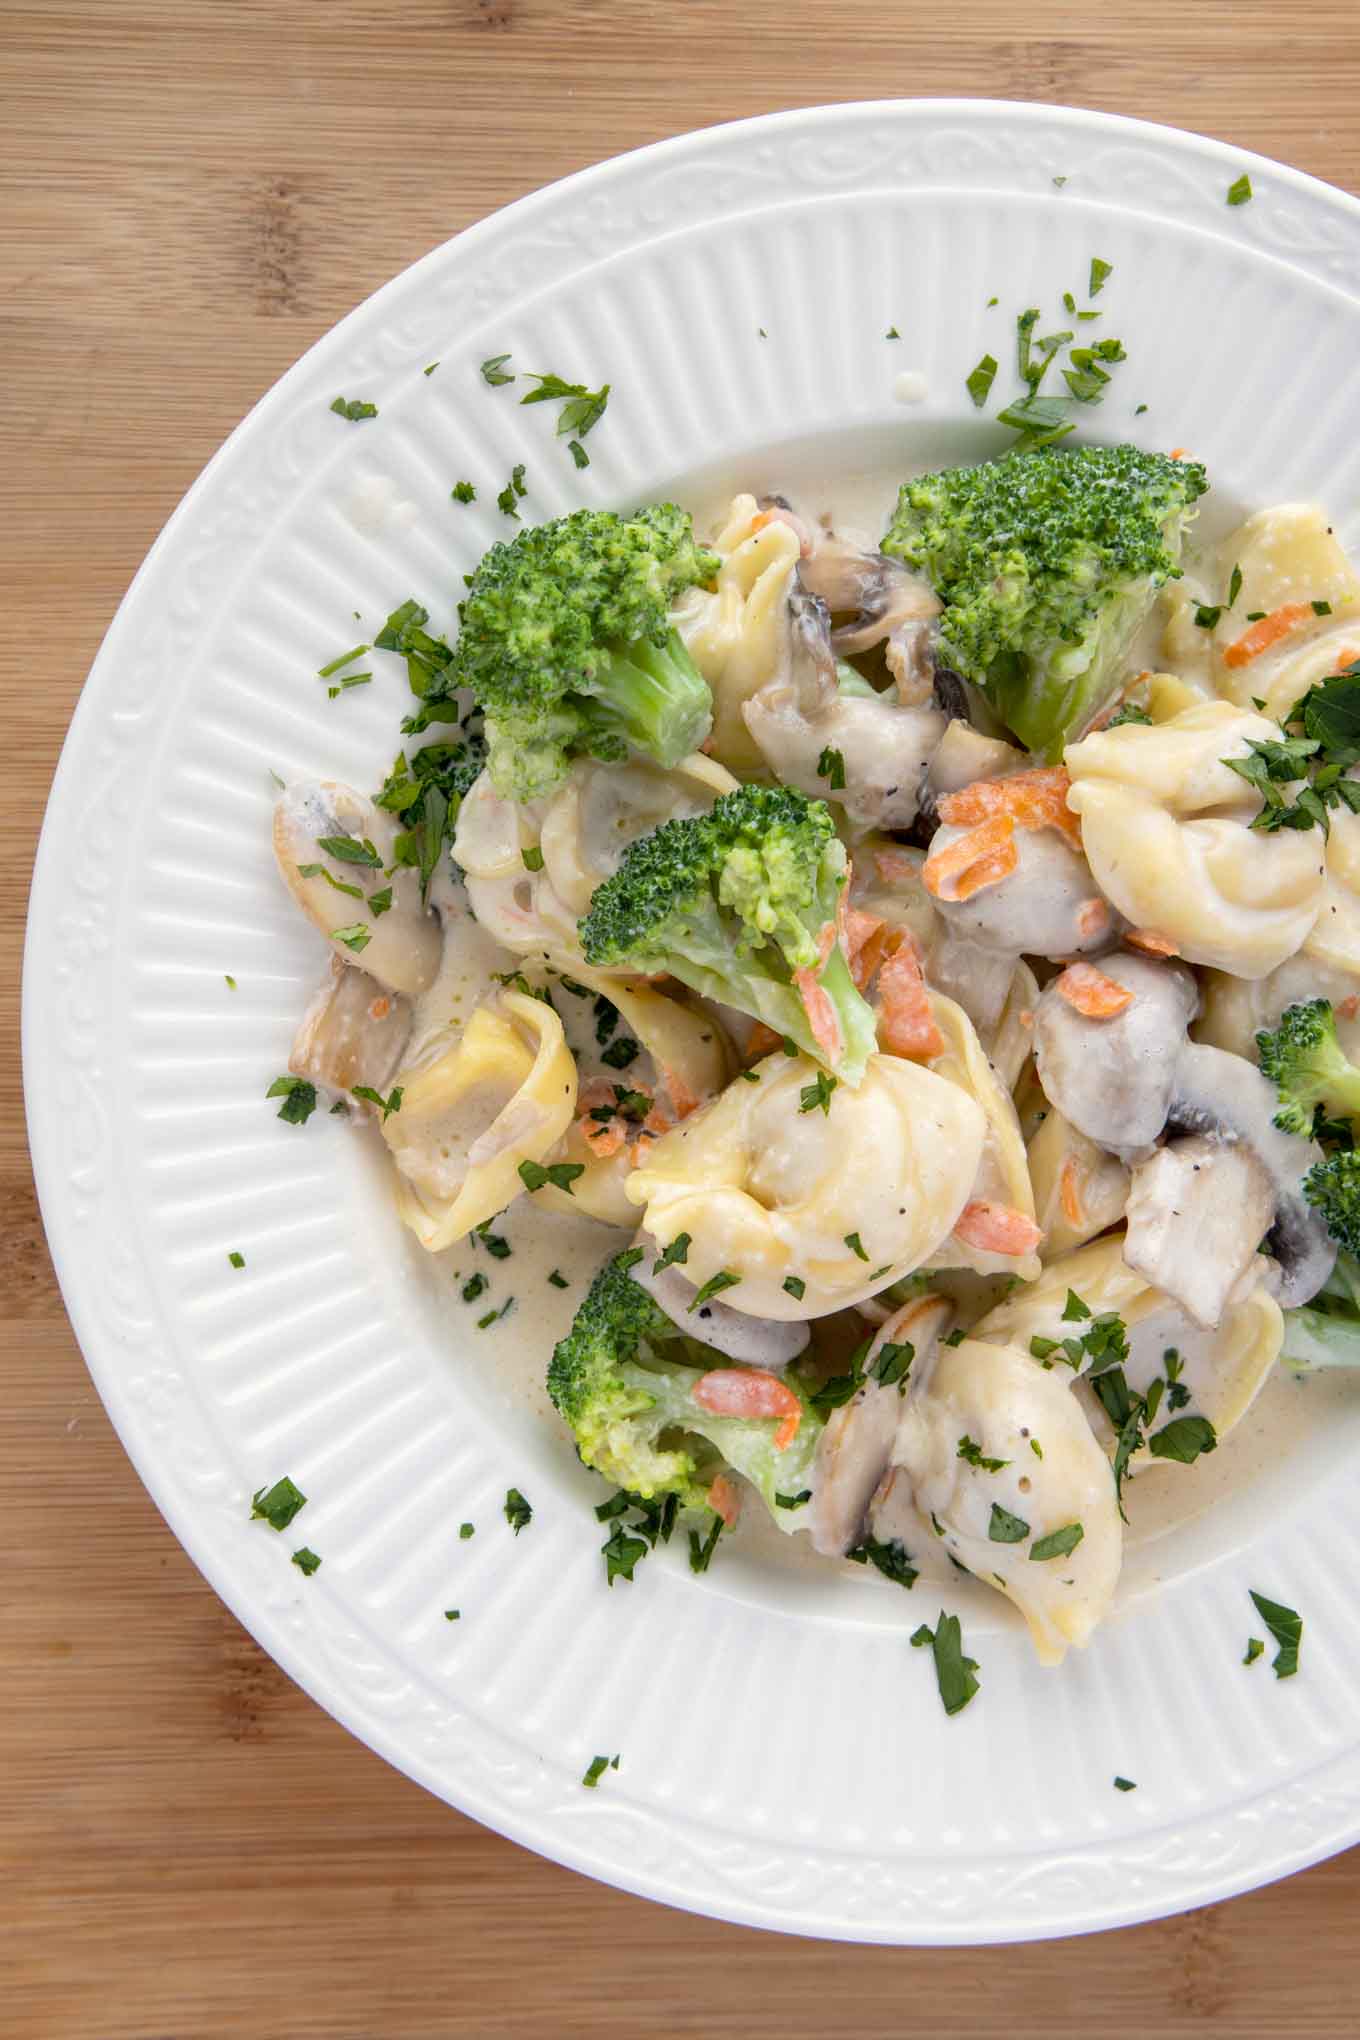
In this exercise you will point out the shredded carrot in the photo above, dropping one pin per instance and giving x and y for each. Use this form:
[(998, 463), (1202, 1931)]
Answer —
[(983, 857), (826, 1028), (997, 1229), (893, 866), (906, 1018), (682, 1098), (1177, 453), (1069, 1193), (604, 1137), (1261, 636), (775, 515), (762, 1041), (724, 1500), (1150, 942), (871, 955), (750, 1392), (1093, 918), (380, 1008), (1033, 800), (1089, 992)]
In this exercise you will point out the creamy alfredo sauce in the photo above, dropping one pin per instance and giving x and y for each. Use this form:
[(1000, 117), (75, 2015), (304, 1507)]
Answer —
[(1179, 1516)]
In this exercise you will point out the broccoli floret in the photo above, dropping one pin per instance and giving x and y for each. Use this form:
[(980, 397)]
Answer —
[(566, 642), (1326, 1331), (1308, 1066), (623, 1379), (734, 903), (1333, 1186), (1046, 563)]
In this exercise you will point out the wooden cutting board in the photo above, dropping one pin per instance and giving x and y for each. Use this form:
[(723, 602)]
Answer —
[(189, 196)]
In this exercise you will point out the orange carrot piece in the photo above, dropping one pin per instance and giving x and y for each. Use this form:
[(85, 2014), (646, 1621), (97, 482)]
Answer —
[(1069, 1193), (1033, 800), (826, 1028), (723, 1499), (983, 857), (1150, 942), (1089, 992), (906, 1018), (1093, 918), (1261, 636), (750, 1392), (997, 1229), (894, 866), (761, 1042)]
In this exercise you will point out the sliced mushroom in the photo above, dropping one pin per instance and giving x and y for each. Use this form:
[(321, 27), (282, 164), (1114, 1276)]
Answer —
[(1197, 1211), (1048, 904), (761, 1342), (871, 594), (1222, 1095), (1114, 1078), (856, 1448), (353, 1032), (400, 947)]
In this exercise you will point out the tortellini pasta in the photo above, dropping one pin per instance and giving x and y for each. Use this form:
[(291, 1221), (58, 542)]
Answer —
[(1079, 1189), (1223, 1370), (737, 632), (1236, 1010), (1003, 1173), (1166, 828), (400, 947), (996, 1504), (474, 1106), (775, 1191)]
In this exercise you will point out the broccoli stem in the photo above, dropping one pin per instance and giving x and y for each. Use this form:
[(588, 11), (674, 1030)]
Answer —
[(655, 697)]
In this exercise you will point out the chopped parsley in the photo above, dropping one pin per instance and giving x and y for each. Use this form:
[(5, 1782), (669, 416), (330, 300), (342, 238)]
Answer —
[(453, 1614), (306, 1561), (1255, 1648), (356, 936), (431, 368), (621, 1053), (279, 1504), (1004, 1528), (893, 1364), (1207, 614), (954, 1673), (701, 1550), (558, 1279), (354, 892), (1234, 586), (596, 1769), (1058, 1543), (818, 1094), (837, 1390), (517, 1510), (795, 1286), (345, 659), (972, 1454), (714, 1287), (466, 1530), (856, 1246), (1286, 1626), (463, 492), (578, 453), (493, 371), (979, 383), (299, 1099), (237, 1260), (387, 1106), (793, 1501), (1183, 1439), (493, 1317), (581, 408), (892, 334), (511, 495), (1321, 608), (1100, 273), (495, 1243), (1125, 1785), (831, 768), (561, 1175), (1239, 191), (621, 1553), (676, 1254), (475, 1286), (891, 1559), (356, 409), (230, 981)]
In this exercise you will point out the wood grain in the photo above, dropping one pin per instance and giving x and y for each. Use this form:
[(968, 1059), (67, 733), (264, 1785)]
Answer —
[(189, 196)]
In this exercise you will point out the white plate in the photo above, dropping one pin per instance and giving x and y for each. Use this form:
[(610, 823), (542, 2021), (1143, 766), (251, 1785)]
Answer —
[(785, 1758)]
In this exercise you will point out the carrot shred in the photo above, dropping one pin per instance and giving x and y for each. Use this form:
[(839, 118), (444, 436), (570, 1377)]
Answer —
[(983, 857), (750, 1392), (826, 1029), (1033, 800), (1150, 942), (894, 865), (1267, 632), (724, 1500), (906, 1018), (1093, 918), (1069, 1193), (1089, 992), (762, 1041), (997, 1229)]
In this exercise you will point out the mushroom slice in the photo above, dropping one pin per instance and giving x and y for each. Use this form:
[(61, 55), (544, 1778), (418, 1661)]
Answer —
[(474, 1106), (870, 594), (1197, 1211), (1113, 1078), (353, 1032), (855, 1449), (760, 1342), (965, 1474), (401, 946), (1224, 1096)]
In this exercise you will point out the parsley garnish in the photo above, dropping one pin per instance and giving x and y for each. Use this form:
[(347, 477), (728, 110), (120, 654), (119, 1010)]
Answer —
[(582, 408), (714, 1287), (856, 1246), (510, 496), (1183, 1439), (971, 1452), (1286, 1626), (621, 1053), (494, 1317), (299, 1099), (1255, 1648), (560, 1174), (453, 1614), (306, 1561), (356, 409), (387, 1106), (676, 1254), (356, 936), (1125, 1785), (818, 1094), (622, 1552), (793, 1501), (893, 1364), (466, 1530), (953, 1671), (1234, 586), (237, 1260), (1004, 1528), (1058, 1543), (979, 383), (279, 1504), (1239, 191), (345, 659), (795, 1286), (230, 981), (463, 492), (475, 1286), (1207, 614), (1321, 608), (1100, 271), (319, 871), (517, 1510), (596, 1769), (837, 1391), (493, 371), (891, 1559), (578, 453), (701, 1550), (496, 1245), (557, 1279), (831, 768)]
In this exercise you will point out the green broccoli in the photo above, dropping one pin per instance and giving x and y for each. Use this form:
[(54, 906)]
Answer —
[(1308, 1066), (735, 903), (1333, 1187), (1326, 1331), (623, 1378), (566, 643), (1046, 563)]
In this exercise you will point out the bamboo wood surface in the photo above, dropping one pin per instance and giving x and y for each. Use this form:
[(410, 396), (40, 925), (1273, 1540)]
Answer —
[(189, 196)]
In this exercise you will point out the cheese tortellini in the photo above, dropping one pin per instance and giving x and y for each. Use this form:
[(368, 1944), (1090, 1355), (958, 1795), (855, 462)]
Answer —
[(1042, 1525), (775, 1191), (474, 1106), (737, 632), (1223, 1369), (1003, 1173), (1166, 828)]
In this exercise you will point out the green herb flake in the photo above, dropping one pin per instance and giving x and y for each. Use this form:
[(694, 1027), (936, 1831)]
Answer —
[(582, 408), (237, 1260), (1286, 1626), (1125, 1785), (813, 1096), (299, 1099), (1183, 1440), (891, 1559), (345, 659), (493, 371), (1058, 1543), (831, 768), (596, 1769), (558, 1279), (1100, 274), (306, 1561), (621, 1553), (277, 1505), (714, 1287), (1207, 614), (892, 1364), (387, 1106), (856, 1246), (475, 1286), (676, 1254), (953, 1671), (380, 903), (972, 1454), (1255, 1648), (561, 1175), (453, 1614), (517, 1510), (1239, 191), (621, 1053), (493, 1317), (1074, 1310), (701, 1550), (793, 1501), (463, 492), (892, 334), (1321, 608), (1234, 586), (356, 409), (979, 383), (1004, 1528), (795, 1286), (229, 981)]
